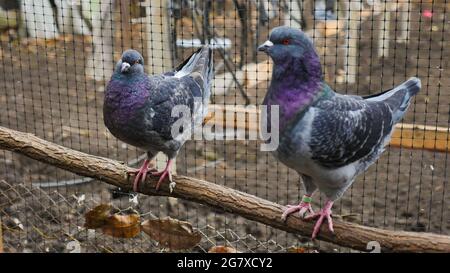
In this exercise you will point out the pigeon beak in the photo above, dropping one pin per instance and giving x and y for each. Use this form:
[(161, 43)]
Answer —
[(265, 47), (125, 66)]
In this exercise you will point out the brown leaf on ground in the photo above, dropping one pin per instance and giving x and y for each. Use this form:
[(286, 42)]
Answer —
[(122, 226), (223, 249), (1, 237), (97, 217), (172, 233), (296, 250), (301, 250)]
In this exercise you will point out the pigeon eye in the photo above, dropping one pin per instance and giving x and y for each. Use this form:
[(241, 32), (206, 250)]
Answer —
[(285, 42)]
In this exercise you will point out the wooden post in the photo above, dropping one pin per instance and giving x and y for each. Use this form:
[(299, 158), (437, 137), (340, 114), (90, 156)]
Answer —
[(78, 23), (125, 24), (39, 19), (158, 55), (307, 10), (101, 64), (405, 22), (384, 27), (351, 40), (64, 17), (293, 15), (69, 18)]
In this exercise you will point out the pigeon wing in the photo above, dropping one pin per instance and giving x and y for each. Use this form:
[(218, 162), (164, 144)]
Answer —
[(346, 129), (170, 92)]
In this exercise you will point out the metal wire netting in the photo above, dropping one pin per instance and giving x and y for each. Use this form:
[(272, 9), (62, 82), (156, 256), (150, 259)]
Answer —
[(57, 56), (41, 221)]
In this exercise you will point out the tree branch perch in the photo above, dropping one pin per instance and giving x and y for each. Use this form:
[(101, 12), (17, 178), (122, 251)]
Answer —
[(220, 197)]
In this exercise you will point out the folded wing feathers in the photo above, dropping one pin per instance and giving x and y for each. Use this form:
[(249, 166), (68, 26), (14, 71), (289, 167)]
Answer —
[(351, 130), (347, 128)]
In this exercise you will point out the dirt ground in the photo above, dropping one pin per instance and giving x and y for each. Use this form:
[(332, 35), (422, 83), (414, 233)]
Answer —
[(43, 90)]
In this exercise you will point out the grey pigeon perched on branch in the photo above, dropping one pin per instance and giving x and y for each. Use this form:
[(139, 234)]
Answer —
[(328, 138), (138, 108)]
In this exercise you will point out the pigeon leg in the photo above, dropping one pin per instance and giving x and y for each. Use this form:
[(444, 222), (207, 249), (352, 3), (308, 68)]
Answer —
[(324, 213), (304, 207), (163, 174), (140, 173)]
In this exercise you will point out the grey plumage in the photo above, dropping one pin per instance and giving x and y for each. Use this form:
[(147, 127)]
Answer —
[(328, 138), (138, 108), (340, 136)]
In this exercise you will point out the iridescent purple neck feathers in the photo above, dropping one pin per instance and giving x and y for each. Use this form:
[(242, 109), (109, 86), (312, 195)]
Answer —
[(295, 85)]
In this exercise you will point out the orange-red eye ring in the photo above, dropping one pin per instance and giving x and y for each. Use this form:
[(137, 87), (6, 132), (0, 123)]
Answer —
[(285, 41)]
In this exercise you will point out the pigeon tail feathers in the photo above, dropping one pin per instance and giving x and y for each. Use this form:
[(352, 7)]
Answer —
[(201, 69), (399, 98), (413, 85), (200, 63)]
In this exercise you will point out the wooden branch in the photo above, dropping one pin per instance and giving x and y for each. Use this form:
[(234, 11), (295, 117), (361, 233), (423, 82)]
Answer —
[(220, 197), (410, 136)]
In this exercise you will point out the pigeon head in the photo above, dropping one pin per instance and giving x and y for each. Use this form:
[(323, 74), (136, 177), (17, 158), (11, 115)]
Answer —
[(287, 43), (130, 63)]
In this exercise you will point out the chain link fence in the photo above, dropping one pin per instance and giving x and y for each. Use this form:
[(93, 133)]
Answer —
[(40, 221)]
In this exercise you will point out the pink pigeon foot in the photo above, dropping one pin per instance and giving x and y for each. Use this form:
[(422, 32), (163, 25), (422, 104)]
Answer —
[(163, 174), (304, 207), (325, 212), (141, 174)]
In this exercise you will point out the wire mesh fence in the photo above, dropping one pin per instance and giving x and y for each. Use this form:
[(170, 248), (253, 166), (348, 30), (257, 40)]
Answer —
[(42, 221), (57, 56)]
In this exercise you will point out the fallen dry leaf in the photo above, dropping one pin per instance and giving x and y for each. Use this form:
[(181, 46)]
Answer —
[(172, 233), (1, 237), (301, 250), (222, 249), (116, 225), (296, 250), (96, 218), (122, 226)]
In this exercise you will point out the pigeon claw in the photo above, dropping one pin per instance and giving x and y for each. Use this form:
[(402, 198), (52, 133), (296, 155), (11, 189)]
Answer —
[(303, 208), (172, 186), (324, 213), (141, 174), (162, 175)]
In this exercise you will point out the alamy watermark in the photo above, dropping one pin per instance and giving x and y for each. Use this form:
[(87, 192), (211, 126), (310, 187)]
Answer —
[(228, 124)]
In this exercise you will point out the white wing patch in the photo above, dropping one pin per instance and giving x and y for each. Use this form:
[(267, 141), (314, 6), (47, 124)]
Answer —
[(180, 74)]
